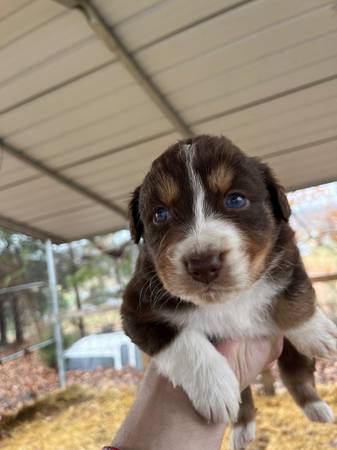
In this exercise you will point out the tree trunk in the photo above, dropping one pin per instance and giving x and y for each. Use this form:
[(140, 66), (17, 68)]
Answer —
[(17, 319), (79, 307), (3, 323), (39, 328), (77, 294)]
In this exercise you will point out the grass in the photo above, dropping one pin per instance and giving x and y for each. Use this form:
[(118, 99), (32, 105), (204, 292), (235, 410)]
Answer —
[(86, 419)]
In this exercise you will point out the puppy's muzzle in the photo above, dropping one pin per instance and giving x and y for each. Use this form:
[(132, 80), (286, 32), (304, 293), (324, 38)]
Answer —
[(205, 267)]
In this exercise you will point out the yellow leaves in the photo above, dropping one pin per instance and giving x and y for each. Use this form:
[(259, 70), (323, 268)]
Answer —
[(87, 425), (281, 425), (87, 419)]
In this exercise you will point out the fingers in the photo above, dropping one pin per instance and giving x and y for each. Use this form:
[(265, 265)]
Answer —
[(248, 357)]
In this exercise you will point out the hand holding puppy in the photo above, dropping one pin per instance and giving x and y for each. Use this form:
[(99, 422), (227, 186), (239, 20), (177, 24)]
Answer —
[(163, 417)]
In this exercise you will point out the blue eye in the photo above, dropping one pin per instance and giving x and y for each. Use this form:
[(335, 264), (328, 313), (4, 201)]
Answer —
[(161, 215), (235, 201)]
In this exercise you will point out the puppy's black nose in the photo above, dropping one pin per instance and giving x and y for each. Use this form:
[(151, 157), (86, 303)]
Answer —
[(204, 268)]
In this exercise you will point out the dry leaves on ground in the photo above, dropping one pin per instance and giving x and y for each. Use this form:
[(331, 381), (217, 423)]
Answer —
[(92, 417), (24, 380)]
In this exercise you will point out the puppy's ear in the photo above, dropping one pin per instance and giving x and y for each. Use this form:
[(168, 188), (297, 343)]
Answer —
[(277, 194), (136, 225)]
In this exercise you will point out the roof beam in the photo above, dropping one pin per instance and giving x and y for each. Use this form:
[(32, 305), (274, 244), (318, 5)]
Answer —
[(269, 98), (60, 178), (298, 148), (114, 43)]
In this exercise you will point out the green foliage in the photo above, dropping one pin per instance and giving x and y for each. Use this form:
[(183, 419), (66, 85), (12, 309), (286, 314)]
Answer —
[(22, 259), (85, 273)]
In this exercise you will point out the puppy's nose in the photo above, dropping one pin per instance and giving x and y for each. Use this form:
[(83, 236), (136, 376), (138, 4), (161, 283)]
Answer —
[(204, 268)]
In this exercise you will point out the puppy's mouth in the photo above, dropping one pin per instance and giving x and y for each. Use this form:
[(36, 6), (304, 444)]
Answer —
[(215, 293), (200, 293)]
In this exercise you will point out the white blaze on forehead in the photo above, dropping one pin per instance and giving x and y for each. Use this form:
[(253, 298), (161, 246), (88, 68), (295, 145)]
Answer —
[(197, 187)]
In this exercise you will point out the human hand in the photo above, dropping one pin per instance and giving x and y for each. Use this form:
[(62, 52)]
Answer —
[(248, 357), (163, 417)]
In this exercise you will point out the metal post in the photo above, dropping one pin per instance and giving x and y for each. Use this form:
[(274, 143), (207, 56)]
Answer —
[(134, 256), (56, 315)]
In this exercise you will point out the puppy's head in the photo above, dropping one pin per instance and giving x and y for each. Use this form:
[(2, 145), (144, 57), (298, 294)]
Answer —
[(209, 216)]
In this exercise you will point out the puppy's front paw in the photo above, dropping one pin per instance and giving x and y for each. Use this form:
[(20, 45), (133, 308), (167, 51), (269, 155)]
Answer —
[(193, 363), (316, 338), (215, 393)]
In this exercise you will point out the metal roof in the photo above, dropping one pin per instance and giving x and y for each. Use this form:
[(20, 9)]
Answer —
[(91, 92)]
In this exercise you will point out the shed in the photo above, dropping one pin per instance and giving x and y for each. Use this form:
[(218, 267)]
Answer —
[(102, 350)]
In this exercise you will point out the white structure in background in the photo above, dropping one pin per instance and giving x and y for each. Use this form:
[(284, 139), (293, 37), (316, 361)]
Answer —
[(103, 350)]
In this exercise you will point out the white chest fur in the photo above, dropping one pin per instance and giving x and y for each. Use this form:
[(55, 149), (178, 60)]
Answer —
[(246, 315)]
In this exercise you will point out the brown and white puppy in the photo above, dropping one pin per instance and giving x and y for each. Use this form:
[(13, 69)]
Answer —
[(219, 261)]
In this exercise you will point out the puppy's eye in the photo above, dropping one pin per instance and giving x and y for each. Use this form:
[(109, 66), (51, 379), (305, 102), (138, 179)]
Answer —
[(161, 215), (235, 201)]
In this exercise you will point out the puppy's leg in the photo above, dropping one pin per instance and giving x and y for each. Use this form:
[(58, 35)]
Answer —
[(243, 431), (297, 373), (316, 337), (193, 363)]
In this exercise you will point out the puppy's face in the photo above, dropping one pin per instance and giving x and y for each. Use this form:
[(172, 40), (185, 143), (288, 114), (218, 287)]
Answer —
[(209, 216)]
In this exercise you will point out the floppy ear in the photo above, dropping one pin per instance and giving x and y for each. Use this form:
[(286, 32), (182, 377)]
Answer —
[(136, 225), (277, 194)]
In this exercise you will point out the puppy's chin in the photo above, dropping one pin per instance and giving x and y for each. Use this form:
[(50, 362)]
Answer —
[(203, 294), (211, 297)]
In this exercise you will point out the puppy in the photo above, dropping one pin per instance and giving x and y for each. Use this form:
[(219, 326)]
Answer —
[(219, 261)]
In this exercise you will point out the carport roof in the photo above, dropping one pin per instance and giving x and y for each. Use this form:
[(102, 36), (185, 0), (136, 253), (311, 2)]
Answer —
[(91, 94)]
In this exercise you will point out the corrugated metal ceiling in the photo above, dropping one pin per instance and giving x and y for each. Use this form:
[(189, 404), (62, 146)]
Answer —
[(263, 72)]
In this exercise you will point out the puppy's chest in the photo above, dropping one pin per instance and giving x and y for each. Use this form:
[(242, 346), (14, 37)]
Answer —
[(247, 315)]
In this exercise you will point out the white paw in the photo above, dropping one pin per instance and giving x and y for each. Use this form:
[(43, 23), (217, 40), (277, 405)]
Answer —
[(193, 363), (316, 338), (242, 435), (215, 392), (319, 412)]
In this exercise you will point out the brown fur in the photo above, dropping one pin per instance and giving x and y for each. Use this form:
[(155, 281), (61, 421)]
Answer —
[(247, 409), (297, 372)]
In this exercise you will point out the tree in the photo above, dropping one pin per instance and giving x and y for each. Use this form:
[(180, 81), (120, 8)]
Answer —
[(21, 260)]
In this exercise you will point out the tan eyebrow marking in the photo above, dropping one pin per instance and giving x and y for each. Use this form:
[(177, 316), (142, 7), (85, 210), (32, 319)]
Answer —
[(168, 188), (220, 179)]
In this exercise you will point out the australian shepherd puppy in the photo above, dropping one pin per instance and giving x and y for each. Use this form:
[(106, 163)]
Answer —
[(218, 260)]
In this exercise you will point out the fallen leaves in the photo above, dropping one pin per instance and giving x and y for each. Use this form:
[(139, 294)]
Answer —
[(91, 423), (24, 380)]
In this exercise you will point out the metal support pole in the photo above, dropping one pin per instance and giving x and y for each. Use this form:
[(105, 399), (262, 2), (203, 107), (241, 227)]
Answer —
[(134, 256), (56, 315)]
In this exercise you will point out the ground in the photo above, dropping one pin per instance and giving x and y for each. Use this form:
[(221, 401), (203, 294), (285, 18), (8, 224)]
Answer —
[(86, 418)]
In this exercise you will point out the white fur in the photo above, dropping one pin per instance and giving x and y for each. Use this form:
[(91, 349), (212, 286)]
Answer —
[(197, 188), (193, 363), (317, 337), (244, 315), (319, 411), (242, 435)]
